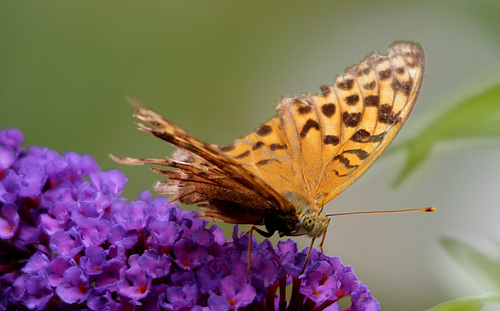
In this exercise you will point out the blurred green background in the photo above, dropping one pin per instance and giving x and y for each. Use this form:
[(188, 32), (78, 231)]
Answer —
[(218, 67)]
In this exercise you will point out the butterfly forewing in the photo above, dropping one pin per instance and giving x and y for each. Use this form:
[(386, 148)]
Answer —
[(319, 145), (383, 109)]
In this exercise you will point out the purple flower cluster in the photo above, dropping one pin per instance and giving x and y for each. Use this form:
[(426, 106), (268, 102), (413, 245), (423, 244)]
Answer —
[(69, 242)]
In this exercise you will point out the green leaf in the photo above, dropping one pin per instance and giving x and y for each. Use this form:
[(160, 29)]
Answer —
[(466, 304), (472, 260), (476, 117)]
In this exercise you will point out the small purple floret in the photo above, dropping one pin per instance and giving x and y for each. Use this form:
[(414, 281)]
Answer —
[(68, 241), (75, 288)]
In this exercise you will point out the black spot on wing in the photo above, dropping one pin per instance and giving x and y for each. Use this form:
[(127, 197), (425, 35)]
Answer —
[(258, 145), (264, 130), (351, 119), (402, 86), (346, 84), (370, 86), (344, 161), (242, 155), (304, 109), (360, 153), (362, 136), (331, 140), (385, 74), (328, 110), (371, 101), (225, 148), (352, 99), (325, 90), (276, 147), (310, 124)]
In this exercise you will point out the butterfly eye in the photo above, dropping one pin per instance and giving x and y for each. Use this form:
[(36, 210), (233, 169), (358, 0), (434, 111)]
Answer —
[(308, 222)]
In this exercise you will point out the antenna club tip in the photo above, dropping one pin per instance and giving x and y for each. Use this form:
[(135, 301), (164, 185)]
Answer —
[(430, 209)]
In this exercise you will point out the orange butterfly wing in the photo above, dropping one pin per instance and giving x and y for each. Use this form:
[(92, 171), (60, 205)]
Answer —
[(319, 145)]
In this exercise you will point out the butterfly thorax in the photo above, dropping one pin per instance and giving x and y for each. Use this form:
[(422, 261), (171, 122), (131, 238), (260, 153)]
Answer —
[(307, 219)]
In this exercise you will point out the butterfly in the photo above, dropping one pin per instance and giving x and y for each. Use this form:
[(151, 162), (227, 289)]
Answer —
[(282, 175)]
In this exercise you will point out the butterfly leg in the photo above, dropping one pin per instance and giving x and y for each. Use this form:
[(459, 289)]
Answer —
[(261, 232), (250, 232), (322, 241), (308, 255), (310, 249)]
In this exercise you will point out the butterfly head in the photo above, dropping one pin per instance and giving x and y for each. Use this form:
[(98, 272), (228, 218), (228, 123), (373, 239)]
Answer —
[(312, 221)]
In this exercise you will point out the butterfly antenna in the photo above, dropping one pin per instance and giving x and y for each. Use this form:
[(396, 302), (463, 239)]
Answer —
[(427, 209)]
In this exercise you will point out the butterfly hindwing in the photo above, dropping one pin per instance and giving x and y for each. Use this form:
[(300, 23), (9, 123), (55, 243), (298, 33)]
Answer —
[(206, 159)]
